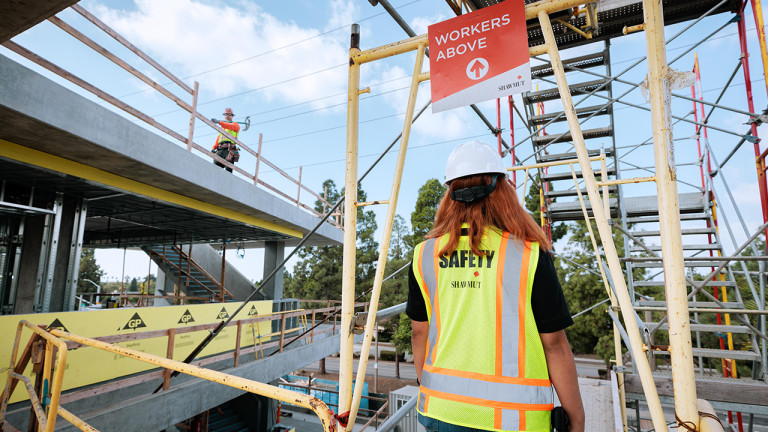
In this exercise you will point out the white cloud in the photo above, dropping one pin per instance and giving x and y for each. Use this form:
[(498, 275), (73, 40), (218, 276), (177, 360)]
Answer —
[(191, 36), (441, 126), (420, 24)]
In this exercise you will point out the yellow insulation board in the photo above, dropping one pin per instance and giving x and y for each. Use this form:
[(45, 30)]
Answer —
[(88, 365)]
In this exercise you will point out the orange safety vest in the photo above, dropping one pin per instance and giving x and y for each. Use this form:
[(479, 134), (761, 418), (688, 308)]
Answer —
[(485, 366), (231, 127)]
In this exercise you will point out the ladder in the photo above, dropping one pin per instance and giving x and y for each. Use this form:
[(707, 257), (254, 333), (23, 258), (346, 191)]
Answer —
[(560, 200)]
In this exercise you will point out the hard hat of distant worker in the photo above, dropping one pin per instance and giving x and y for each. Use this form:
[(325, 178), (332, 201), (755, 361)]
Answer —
[(473, 158), (228, 111)]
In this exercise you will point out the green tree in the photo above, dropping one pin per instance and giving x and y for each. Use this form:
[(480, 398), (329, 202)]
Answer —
[(89, 269), (533, 204), (398, 245), (423, 216), (134, 286), (578, 271), (401, 339), (317, 274), (394, 290)]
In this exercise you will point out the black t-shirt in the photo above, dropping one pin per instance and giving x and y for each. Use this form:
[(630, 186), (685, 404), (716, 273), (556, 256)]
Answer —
[(547, 299)]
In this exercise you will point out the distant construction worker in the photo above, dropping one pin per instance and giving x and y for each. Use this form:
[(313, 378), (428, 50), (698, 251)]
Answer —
[(487, 310), (225, 148)]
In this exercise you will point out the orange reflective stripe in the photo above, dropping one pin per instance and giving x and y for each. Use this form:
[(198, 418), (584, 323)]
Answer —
[(523, 426), (488, 402), (424, 288), (521, 307), (437, 300), (539, 382), (500, 303), (497, 418)]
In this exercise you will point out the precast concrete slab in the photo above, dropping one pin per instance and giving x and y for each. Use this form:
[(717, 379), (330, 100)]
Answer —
[(141, 188), (17, 16)]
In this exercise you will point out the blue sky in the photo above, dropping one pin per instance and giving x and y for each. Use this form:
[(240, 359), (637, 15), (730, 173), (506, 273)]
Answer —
[(284, 64)]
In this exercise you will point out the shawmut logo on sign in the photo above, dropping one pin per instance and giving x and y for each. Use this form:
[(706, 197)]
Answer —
[(479, 56)]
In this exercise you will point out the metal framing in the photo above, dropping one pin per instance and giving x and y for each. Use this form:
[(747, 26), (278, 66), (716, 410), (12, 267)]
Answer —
[(75, 250)]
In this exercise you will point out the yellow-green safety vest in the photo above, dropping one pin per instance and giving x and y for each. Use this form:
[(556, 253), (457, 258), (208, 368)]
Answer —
[(485, 366)]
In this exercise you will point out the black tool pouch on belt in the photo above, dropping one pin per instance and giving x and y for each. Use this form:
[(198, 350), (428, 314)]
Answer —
[(234, 154), (560, 420)]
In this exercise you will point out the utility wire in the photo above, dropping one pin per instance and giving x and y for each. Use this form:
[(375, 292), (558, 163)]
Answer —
[(336, 312), (271, 51)]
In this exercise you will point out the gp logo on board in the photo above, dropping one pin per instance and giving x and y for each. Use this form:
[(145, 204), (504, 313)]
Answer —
[(479, 56), (56, 324), (223, 314), (134, 323), (186, 318), (253, 311)]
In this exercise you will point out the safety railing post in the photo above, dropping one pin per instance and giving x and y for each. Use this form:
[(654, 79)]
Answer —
[(223, 268), (298, 192), (258, 162), (282, 332), (681, 353), (237, 341), (192, 116), (169, 355), (350, 225), (312, 332)]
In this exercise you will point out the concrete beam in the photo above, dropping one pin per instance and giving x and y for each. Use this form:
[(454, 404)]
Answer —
[(39, 114), (16, 16)]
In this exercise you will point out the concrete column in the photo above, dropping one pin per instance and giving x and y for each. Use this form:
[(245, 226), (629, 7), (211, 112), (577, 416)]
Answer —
[(274, 253)]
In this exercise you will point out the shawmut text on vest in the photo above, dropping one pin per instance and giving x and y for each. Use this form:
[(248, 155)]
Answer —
[(465, 284), (467, 32), (465, 258)]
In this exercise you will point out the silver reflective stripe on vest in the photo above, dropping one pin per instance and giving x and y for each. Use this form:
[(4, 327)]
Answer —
[(430, 279), (487, 390), (510, 320), (510, 420)]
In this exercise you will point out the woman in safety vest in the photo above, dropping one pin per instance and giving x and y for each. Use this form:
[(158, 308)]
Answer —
[(487, 309)]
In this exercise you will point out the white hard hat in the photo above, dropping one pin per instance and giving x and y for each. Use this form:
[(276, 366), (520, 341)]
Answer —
[(473, 158)]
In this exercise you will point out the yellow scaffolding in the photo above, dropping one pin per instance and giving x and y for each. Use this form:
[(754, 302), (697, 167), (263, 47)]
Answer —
[(680, 339)]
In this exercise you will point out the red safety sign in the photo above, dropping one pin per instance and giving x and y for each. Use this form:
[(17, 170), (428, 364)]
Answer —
[(479, 56)]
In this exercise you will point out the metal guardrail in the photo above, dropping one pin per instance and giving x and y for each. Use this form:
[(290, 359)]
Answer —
[(51, 378)]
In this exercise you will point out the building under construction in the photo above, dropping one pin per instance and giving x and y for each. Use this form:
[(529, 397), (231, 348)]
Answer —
[(209, 338)]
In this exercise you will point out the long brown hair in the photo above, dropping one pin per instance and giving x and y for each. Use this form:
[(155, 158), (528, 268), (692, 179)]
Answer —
[(501, 209)]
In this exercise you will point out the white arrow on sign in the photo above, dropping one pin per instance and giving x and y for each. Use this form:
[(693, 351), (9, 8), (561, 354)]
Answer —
[(477, 68)]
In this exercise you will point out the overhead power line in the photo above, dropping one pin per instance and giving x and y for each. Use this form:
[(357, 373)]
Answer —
[(272, 50)]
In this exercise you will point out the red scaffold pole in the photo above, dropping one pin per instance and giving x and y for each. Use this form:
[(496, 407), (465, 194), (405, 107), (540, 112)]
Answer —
[(761, 181)]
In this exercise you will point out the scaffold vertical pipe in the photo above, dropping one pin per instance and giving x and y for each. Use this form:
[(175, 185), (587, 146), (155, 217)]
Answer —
[(757, 11), (386, 237), (761, 181), (612, 258), (512, 138), (350, 226), (498, 124), (680, 348)]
